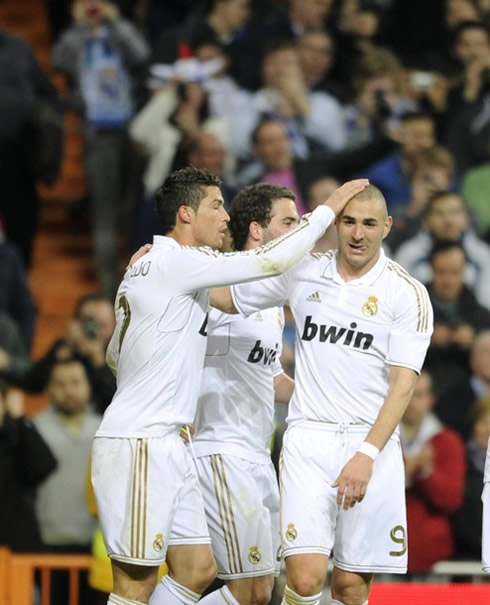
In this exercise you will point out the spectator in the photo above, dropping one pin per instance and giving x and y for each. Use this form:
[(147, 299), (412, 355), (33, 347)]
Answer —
[(471, 47), (101, 55), (316, 52), (467, 122), (454, 405), (468, 520), (393, 173), (208, 152), (15, 294), (226, 99), (87, 337), (433, 171), (68, 425), (205, 151), (225, 21), (26, 461), (23, 88), (435, 474), (166, 127), (457, 316), (359, 33), (314, 119), (277, 165), (447, 218), (378, 97)]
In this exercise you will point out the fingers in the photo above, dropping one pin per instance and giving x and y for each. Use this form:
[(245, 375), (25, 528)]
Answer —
[(349, 495), (138, 254), (343, 194)]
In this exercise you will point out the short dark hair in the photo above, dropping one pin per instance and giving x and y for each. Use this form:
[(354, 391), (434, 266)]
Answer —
[(185, 187), (255, 132), (465, 26), (88, 298), (415, 115), (68, 361), (254, 203), (441, 246), (437, 195)]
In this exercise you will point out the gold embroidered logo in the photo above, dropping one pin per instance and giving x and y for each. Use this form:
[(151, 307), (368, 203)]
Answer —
[(254, 555), (370, 307), (158, 542), (291, 533)]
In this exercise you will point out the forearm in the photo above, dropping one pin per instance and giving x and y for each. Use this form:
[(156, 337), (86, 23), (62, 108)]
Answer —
[(269, 260), (283, 388), (220, 298), (402, 383)]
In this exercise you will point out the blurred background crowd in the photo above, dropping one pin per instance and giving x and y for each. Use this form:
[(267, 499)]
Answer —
[(301, 93)]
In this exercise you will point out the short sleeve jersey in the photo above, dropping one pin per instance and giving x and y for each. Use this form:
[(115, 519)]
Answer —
[(158, 347), (235, 410), (347, 333)]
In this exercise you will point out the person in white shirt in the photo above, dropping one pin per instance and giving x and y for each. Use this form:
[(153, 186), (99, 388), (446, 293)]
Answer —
[(148, 499), (363, 327), (235, 417)]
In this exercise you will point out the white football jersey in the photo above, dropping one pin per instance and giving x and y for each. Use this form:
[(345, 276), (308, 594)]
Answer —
[(157, 349), (347, 333), (235, 410)]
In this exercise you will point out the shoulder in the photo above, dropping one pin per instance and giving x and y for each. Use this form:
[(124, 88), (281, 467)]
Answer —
[(43, 418), (473, 243), (312, 263), (402, 279), (408, 295)]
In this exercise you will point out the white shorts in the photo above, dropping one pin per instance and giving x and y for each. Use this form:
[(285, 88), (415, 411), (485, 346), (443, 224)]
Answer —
[(485, 538), (241, 500), (148, 497), (371, 537)]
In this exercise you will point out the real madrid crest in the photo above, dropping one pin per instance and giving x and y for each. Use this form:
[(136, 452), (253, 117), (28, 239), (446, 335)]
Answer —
[(158, 542), (370, 307), (291, 533), (254, 555)]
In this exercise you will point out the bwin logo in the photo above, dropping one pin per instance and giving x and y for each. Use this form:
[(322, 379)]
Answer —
[(262, 354), (333, 334)]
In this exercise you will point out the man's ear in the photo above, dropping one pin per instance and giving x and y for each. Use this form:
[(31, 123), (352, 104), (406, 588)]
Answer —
[(185, 213), (255, 231)]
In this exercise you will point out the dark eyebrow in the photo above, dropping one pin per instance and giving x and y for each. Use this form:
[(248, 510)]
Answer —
[(369, 219)]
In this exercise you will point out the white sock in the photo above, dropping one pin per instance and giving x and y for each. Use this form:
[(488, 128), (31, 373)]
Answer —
[(115, 599), (292, 598), (335, 602), (170, 592), (223, 596)]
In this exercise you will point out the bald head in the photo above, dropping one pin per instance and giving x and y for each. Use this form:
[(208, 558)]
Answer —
[(372, 194)]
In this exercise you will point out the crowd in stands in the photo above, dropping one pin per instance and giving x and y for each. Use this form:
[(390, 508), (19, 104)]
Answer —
[(300, 93)]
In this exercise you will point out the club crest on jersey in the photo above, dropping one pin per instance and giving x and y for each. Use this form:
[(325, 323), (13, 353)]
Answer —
[(158, 543), (370, 307), (291, 533), (254, 555)]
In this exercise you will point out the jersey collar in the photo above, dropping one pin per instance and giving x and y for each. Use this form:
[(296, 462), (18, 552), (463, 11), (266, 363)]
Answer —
[(331, 271), (159, 240)]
